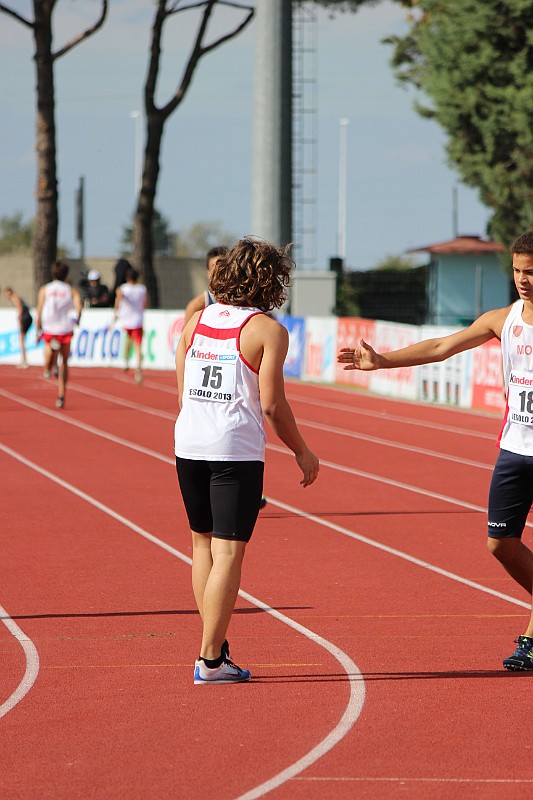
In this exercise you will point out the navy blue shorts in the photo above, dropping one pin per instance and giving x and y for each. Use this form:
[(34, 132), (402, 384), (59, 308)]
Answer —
[(510, 496), (221, 497)]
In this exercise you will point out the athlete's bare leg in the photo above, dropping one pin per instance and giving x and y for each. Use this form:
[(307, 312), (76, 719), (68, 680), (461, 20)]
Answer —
[(23, 347), (517, 560), (62, 376), (202, 562), (220, 593), (127, 352)]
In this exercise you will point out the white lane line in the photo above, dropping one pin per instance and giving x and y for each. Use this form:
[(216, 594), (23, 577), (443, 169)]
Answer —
[(399, 554), (420, 780), (62, 417), (388, 481), (388, 443), (310, 424), (392, 417), (286, 452), (365, 412), (357, 686), (150, 384), (32, 663), (126, 403)]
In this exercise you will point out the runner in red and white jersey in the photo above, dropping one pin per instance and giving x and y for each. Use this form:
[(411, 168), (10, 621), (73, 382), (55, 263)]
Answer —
[(58, 309), (511, 489), (229, 366), (130, 304)]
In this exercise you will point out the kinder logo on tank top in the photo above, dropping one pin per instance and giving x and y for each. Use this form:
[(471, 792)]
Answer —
[(207, 355)]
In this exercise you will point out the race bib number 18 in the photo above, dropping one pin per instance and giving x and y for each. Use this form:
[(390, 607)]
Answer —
[(520, 398), (213, 380)]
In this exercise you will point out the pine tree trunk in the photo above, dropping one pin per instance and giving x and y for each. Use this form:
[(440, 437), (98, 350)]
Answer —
[(142, 223), (46, 225)]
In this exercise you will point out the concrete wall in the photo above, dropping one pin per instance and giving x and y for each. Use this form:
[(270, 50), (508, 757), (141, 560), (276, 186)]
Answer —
[(312, 292), (179, 278)]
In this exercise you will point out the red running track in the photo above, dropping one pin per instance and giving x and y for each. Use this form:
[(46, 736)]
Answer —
[(372, 617)]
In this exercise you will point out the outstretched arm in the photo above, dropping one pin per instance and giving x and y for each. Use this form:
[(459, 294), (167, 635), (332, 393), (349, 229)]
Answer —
[(487, 326)]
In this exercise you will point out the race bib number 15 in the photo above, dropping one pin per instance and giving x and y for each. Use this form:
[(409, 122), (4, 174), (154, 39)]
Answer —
[(214, 380), (520, 398)]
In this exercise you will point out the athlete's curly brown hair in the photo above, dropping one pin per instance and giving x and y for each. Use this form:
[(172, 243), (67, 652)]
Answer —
[(523, 245), (253, 273)]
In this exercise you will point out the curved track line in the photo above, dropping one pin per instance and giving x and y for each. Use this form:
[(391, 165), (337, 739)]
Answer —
[(357, 685), (32, 663)]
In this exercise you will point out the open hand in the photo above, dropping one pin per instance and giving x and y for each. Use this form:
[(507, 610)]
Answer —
[(363, 357)]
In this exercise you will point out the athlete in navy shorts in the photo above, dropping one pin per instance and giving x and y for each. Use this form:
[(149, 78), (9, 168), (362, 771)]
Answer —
[(511, 491)]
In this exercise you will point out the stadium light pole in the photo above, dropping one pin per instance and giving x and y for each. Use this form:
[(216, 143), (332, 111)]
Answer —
[(136, 115), (341, 231)]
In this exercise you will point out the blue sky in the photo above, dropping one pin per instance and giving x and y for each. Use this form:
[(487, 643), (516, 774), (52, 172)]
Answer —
[(399, 187)]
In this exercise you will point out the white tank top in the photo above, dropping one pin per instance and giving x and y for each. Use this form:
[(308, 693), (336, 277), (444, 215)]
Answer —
[(131, 306), (517, 353), (57, 313), (221, 417)]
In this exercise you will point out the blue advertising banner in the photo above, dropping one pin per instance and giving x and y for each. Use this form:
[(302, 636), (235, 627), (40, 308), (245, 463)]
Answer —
[(295, 356)]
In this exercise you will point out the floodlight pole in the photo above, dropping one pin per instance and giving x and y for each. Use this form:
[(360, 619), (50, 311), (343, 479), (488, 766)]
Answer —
[(341, 231)]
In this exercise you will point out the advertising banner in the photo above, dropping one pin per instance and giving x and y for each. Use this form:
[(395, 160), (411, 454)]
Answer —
[(320, 352), (402, 382), (97, 342), (349, 331), (295, 357), (487, 378)]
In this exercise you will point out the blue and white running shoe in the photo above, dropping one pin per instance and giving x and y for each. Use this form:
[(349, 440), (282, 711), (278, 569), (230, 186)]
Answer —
[(228, 672)]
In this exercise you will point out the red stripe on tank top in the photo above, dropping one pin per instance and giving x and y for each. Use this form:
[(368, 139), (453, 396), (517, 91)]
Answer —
[(217, 333)]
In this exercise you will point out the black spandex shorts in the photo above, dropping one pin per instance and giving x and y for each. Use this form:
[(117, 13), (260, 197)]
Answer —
[(221, 497), (510, 496), (25, 323)]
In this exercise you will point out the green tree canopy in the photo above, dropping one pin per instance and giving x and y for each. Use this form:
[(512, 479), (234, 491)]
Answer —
[(474, 60), (15, 234), (161, 236), (398, 263), (192, 242), (201, 237)]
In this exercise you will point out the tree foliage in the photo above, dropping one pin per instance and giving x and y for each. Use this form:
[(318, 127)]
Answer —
[(396, 263), (474, 61), (191, 242), (161, 236), (45, 56), (15, 234), (195, 241), (157, 115)]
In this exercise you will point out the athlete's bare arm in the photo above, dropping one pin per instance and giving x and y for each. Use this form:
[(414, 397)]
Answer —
[(194, 305), (78, 304), (264, 344), (487, 326), (40, 303), (181, 350)]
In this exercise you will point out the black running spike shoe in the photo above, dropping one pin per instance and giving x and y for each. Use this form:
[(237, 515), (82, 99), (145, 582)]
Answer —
[(522, 658)]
